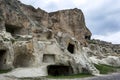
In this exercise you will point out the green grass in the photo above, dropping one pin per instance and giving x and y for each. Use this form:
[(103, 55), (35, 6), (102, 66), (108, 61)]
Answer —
[(81, 75), (34, 78), (105, 69), (5, 71)]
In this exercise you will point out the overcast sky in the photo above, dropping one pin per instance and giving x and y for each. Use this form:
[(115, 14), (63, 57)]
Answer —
[(102, 16)]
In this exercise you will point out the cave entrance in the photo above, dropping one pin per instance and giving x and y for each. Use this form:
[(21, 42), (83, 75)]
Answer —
[(87, 37), (12, 29), (71, 48), (2, 58), (59, 70), (23, 60)]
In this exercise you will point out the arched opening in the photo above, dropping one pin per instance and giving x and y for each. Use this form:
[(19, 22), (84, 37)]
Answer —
[(23, 60), (2, 58), (71, 48), (59, 70)]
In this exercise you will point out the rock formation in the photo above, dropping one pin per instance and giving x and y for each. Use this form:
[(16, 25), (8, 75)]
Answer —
[(53, 43), (102, 52)]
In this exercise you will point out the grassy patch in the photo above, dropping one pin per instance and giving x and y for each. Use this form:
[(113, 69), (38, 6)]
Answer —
[(81, 75), (105, 69), (34, 78), (5, 71)]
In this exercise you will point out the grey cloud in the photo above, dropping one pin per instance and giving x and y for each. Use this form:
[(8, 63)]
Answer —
[(51, 6), (105, 19)]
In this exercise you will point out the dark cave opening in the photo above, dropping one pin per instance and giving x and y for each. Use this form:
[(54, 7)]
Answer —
[(2, 58), (71, 48), (59, 70), (88, 37), (12, 29)]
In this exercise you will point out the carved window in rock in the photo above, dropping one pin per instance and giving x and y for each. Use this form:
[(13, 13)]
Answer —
[(59, 70), (49, 58), (14, 30), (71, 48)]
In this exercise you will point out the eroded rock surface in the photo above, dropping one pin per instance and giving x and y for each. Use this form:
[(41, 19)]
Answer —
[(33, 39), (102, 52)]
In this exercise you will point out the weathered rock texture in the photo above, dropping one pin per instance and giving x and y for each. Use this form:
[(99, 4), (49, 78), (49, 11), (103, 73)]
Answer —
[(102, 52), (71, 22), (43, 43)]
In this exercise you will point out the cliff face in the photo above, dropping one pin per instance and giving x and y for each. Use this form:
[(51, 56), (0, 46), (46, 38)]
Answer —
[(70, 21), (52, 42), (32, 37), (26, 19)]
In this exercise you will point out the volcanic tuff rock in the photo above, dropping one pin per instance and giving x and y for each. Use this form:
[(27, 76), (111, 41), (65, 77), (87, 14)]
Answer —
[(71, 22), (102, 52), (37, 43)]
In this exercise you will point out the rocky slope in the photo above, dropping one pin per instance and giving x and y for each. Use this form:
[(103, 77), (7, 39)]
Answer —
[(102, 52), (56, 43)]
